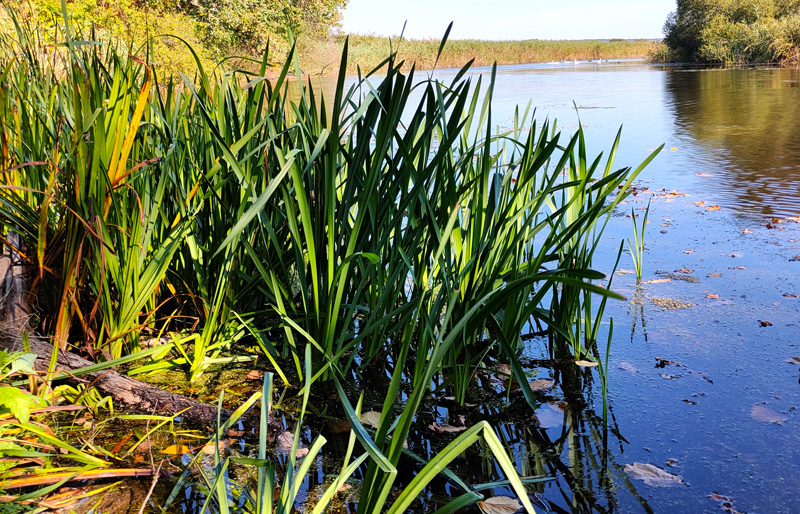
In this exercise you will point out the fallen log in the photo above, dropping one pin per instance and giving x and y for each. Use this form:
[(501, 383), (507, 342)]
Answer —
[(128, 394)]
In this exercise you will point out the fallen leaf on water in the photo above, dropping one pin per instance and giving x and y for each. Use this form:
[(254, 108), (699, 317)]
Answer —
[(688, 251), (711, 295), (670, 377), (549, 416), (763, 323), (689, 402), (737, 267), (624, 272), (658, 281), (684, 270), (793, 360), (371, 418), (441, 428), (763, 413), (795, 258), (704, 174), (540, 384), (254, 374), (663, 363), (789, 295), (747, 231), (719, 498), (652, 475), (285, 442), (499, 505), (177, 449), (586, 364), (673, 149), (671, 462), (700, 203), (714, 275), (712, 208), (208, 448)]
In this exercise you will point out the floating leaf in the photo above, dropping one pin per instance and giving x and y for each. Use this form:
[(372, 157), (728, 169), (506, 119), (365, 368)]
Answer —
[(371, 418), (540, 384), (663, 363), (672, 462), (747, 231), (285, 442), (499, 505), (795, 258), (789, 295), (700, 203), (658, 281), (624, 272), (712, 208), (763, 413), (209, 447), (793, 360), (704, 174), (712, 295), (714, 275), (673, 148), (684, 270), (652, 475), (687, 252), (586, 364), (177, 449), (719, 498), (441, 428), (763, 323)]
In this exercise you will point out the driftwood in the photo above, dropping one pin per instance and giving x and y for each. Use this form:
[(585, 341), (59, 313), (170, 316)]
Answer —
[(128, 394)]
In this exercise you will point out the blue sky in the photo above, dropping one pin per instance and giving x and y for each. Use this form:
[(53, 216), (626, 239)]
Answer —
[(509, 19)]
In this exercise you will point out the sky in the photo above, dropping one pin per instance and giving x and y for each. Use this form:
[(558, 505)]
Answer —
[(509, 19)]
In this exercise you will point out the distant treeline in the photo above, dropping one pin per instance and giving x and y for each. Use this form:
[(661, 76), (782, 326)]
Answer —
[(733, 31)]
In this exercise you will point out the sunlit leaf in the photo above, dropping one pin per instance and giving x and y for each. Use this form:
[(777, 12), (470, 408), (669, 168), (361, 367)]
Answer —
[(652, 475), (499, 505)]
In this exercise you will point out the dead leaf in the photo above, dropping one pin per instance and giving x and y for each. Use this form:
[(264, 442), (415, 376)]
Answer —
[(663, 363), (704, 174), (499, 505), (208, 448), (747, 231), (684, 270), (652, 475), (687, 252), (285, 442), (737, 267), (441, 428), (689, 402), (763, 413), (795, 258), (719, 498), (712, 208), (540, 384), (763, 323), (670, 377), (789, 295), (671, 462), (254, 374), (700, 203), (586, 364), (177, 449), (371, 418), (793, 360), (624, 272), (673, 149), (658, 281), (711, 295), (714, 275), (549, 416)]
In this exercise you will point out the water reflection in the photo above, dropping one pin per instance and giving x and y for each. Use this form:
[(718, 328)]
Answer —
[(745, 121)]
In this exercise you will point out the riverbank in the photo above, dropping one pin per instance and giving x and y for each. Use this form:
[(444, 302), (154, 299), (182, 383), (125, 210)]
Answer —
[(366, 52)]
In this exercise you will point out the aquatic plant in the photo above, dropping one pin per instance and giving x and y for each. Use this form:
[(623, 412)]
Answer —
[(637, 248)]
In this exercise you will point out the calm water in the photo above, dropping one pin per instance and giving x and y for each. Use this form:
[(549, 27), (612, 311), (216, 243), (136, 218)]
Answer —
[(731, 140)]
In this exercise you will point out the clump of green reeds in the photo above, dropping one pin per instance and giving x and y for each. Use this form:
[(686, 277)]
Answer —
[(374, 231)]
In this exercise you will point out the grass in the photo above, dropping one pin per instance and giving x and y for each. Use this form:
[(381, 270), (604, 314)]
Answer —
[(390, 234), (368, 51)]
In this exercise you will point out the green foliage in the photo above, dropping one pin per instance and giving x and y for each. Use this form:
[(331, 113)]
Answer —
[(733, 31)]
